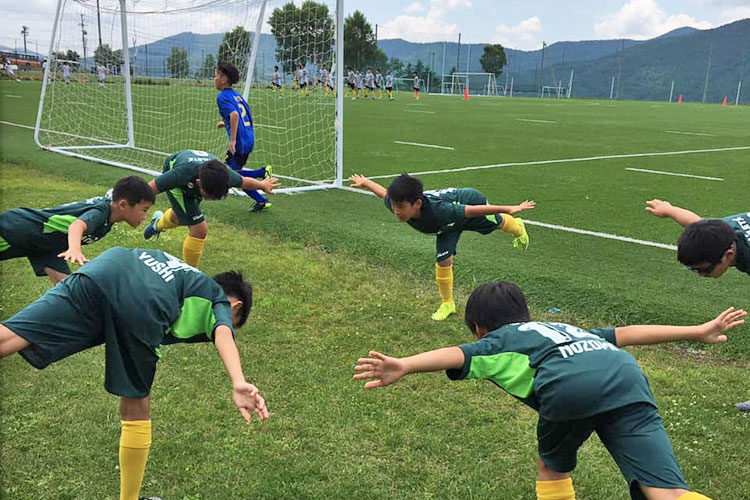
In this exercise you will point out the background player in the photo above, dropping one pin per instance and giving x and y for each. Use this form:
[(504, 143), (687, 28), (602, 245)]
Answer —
[(276, 82), (369, 82), (379, 83), (238, 122), (578, 381), (447, 213), (189, 176), (416, 86), (52, 237), (133, 301), (389, 84)]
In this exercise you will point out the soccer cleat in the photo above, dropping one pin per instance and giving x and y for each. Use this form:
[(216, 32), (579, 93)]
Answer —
[(269, 172), (151, 230), (445, 310), (521, 243), (259, 207), (743, 406)]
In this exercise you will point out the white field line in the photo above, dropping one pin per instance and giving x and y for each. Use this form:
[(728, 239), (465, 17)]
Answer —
[(418, 111), (423, 145), (533, 121), (14, 96), (568, 160), (268, 126), (601, 235), (689, 133), (675, 174)]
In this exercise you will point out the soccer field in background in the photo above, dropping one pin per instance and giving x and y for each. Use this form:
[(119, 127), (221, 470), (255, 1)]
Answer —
[(336, 274)]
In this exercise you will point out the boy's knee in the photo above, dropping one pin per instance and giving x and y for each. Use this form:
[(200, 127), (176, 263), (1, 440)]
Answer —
[(446, 262), (199, 231), (135, 408), (10, 343)]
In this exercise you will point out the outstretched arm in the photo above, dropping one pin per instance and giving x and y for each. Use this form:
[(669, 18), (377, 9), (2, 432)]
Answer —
[(386, 370), (663, 209), (360, 181), (482, 210), (75, 234), (711, 332), (266, 185), (245, 395)]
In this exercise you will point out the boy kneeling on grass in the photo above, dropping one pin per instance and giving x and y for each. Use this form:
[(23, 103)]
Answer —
[(579, 381), (133, 301)]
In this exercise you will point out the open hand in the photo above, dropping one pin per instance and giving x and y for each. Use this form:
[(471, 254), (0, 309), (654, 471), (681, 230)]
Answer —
[(73, 256), (358, 181), (220, 124), (383, 369), (270, 184), (658, 208), (526, 205), (247, 399), (714, 329)]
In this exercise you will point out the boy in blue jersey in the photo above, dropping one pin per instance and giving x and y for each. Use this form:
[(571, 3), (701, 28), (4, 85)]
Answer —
[(579, 382), (134, 301), (709, 247), (238, 122)]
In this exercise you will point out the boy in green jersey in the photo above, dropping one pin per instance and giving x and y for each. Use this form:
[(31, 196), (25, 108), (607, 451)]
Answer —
[(189, 177), (52, 237), (578, 381), (134, 301), (709, 247), (447, 213)]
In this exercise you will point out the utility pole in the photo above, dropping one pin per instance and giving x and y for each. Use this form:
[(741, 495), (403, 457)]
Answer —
[(376, 35), (541, 71), (619, 68), (708, 70), (82, 24), (99, 23), (458, 50), (25, 33), (432, 70)]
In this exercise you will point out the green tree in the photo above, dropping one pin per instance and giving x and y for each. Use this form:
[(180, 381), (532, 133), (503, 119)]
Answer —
[(360, 49), (235, 48), (105, 56), (396, 66), (177, 63), (302, 34), (72, 55), (493, 59), (208, 67)]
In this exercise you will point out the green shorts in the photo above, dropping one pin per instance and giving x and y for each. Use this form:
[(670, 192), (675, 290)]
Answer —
[(448, 241), (39, 260), (76, 315), (635, 437), (186, 208)]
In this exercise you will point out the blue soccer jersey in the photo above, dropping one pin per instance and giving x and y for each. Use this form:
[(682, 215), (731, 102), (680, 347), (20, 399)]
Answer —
[(230, 100)]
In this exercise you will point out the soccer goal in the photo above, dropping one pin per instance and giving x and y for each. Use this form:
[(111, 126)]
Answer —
[(479, 84), (143, 85)]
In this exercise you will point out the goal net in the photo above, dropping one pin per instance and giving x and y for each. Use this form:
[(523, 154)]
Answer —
[(479, 84), (142, 83)]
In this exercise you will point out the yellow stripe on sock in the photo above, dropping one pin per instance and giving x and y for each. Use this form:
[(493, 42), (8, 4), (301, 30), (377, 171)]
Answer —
[(693, 496), (166, 221), (444, 278), (135, 441), (192, 249), (510, 225), (561, 489)]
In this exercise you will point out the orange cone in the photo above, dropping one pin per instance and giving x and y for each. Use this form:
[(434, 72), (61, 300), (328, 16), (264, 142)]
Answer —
[(679, 101), (724, 103), (80, 79), (466, 92)]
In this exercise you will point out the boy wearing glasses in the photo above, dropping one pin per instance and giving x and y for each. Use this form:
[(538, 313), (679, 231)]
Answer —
[(709, 246)]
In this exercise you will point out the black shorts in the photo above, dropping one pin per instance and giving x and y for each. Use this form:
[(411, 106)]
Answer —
[(377, 86), (302, 85), (416, 88), (351, 85), (276, 84), (38, 260), (76, 315), (389, 89)]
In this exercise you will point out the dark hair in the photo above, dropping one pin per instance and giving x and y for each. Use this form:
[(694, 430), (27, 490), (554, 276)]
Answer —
[(234, 285), (134, 190), (276, 68), (405, 188), (230, 71), (704, 241), (214, 178), (495, 304)]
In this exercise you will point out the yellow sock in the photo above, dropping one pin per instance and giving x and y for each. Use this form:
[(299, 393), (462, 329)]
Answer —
[(135, 442), (166, 221), (510, 225), (444, 277), (192, 249), (562, 489), (693, 496)]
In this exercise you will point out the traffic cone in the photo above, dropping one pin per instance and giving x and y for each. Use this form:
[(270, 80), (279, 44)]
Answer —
[(679, 100), (466, 92), (724, 103), (80, 79)]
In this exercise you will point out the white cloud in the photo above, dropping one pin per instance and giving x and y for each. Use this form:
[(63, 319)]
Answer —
[(432, 26), (522, 36), (735, 14), (643, 19)]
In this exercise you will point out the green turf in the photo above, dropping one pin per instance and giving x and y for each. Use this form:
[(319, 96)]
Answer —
[(337, 274)]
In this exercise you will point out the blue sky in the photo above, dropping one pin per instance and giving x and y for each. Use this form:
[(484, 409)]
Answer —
[(521, 24)]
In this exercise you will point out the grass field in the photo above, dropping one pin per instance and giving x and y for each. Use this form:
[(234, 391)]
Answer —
[(425, 438)]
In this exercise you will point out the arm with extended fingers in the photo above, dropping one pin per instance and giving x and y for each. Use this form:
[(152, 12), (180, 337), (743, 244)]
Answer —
[(681, 216), (384, 370), (482, 210), (711, 332), (360, 181), (74, 253)]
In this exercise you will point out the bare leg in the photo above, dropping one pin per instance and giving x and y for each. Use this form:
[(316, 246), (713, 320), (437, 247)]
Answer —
[(547, 474), (55, 276), (10, 343), (662, 493)]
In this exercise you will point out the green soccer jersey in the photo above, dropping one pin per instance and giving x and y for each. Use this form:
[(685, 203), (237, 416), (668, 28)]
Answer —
[(741, 225), (561, 371), (181, 171), (444, 210), (169, 297), (47, 229)]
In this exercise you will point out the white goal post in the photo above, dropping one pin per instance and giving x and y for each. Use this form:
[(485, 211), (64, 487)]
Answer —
[(142, 87), (479, 84)]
